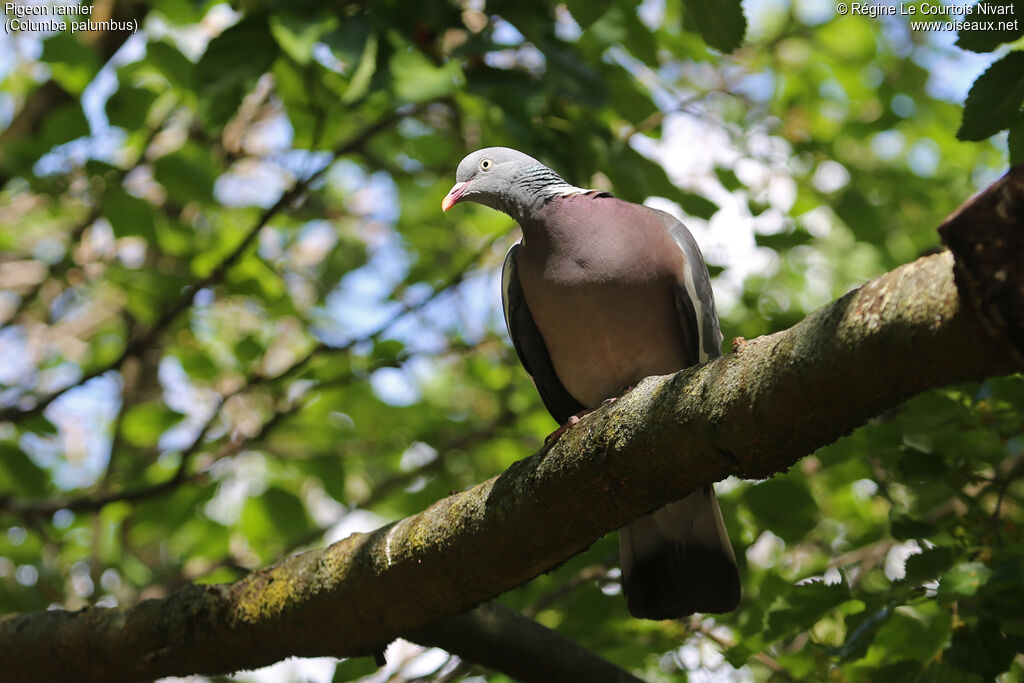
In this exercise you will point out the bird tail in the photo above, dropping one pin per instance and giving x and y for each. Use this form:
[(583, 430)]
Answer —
[(678, 560)]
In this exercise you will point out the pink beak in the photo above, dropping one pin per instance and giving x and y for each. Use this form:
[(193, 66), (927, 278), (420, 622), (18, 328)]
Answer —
[(454, 195)]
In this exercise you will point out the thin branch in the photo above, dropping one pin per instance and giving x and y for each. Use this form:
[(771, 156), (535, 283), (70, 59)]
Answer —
[(383, 489), (75, 236), (594, 572), (405, 309), (50, 95), (1011, 470), (60, 267), (727, 643), (380, 490), (129, 392), (184, 300), (94, 502)]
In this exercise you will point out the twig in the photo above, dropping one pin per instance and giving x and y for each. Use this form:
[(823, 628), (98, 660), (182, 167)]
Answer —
[(184, 300), (594, 572), (75, 236)]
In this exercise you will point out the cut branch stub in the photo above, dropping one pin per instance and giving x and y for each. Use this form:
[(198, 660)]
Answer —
[(986, 236)]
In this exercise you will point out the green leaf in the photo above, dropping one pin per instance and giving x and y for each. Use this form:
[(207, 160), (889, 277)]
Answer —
[(417, 79), (18, 472), (781, 241), (129, 106), (922, 467), (187, 174), (905, 528), (128, 215), (174, 66), (803, 606), (242, 52), (916, 633), (363, 75), (861, 629), (721, 24), (928, 564), (248, 349), (197, 364), (297, 34), (231, 64), (994, 100), (1015, 142), (353, 668), (330, 471), (386, 350), (276, 515), (728, 178), (145, 290), (144, 423), (572, 75), (783, 505), (977, 36), (963, 580), (38, 424), (620, 26), (628, 95), (63, 124), (982, 649), (180, 11), (757, 208), (861, 215), (635, 177), (695, 205), (254, 277), (904, 671), (586, 12), (348, 41), (72, 64), (638, 39)]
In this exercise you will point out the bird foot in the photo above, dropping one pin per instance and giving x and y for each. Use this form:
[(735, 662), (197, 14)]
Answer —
[(622, 391), (554, 436)]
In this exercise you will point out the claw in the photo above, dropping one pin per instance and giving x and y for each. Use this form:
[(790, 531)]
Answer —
[(554, 436)]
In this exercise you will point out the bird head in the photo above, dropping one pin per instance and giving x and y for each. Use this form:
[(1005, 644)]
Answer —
[(488, 176)]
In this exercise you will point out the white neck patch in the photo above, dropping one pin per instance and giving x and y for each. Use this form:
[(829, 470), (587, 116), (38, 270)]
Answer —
[(567, 190)]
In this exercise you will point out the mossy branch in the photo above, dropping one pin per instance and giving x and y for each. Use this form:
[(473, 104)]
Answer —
[(751, 413)]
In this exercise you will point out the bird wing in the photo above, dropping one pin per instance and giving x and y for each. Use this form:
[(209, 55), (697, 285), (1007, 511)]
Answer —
[(694, 299), (530, 346)]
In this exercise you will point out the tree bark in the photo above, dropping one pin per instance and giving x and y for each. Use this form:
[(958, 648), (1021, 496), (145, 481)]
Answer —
[(502, 639), (751, 413)]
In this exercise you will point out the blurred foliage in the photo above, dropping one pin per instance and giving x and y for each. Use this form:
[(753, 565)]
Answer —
[(238, 325)]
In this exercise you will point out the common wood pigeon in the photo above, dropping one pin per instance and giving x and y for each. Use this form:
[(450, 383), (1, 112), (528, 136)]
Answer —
[(599, 294)]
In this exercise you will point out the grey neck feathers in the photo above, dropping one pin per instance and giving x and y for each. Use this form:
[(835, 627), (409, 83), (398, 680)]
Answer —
[(535, 186)]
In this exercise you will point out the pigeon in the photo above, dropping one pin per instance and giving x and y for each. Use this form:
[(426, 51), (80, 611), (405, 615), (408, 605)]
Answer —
[(597, 295)]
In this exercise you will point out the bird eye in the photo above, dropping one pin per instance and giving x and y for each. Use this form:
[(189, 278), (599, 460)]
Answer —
[(486, 164)]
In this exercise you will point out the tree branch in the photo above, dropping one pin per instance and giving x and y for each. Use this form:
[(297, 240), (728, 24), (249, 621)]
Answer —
[(751, 413), (184, 300), (98, 500), (500, 638)]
